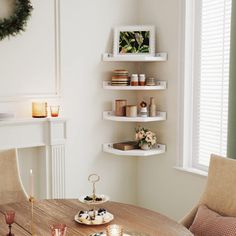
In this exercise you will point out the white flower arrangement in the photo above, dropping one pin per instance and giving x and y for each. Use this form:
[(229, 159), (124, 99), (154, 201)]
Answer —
[(145, 136)]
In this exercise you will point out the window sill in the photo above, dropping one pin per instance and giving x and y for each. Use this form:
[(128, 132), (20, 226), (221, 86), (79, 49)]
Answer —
[(192, 171)]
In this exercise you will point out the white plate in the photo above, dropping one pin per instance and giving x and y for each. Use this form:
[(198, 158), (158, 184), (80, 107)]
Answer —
[(105, 198), (109, 216), (104, 234), (5, 116)]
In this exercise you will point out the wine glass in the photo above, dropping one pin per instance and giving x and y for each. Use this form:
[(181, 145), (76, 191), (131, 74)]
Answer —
[(9, 217), (58, 230)]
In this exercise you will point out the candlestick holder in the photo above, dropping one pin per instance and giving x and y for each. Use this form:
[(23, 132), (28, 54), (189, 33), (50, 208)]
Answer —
[(32, 200)]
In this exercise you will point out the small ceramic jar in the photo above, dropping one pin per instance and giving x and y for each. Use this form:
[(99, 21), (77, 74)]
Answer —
[(142, 79), (134, 80)]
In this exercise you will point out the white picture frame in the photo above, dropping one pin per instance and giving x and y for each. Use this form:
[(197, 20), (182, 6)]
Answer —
[(127, 43)]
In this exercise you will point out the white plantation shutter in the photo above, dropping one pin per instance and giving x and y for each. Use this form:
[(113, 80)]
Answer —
[(211, 81)]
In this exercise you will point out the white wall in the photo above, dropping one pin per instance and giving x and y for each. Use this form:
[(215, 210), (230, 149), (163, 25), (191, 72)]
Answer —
[(160, 187), (86, 32)]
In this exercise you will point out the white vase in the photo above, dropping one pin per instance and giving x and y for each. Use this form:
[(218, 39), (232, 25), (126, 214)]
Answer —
[(145, 146)]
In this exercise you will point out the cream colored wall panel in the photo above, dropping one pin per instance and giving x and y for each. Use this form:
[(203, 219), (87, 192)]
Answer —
[(28, 62)]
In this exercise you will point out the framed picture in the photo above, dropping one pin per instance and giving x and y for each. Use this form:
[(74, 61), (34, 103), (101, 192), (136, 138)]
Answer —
[(134, 40)]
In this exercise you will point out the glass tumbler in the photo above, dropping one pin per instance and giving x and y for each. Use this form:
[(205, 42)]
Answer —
[(58, 230), (54, 111), (114, 230)]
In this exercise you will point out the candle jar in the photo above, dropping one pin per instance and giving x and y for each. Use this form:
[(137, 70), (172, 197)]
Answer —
[(151, 82), (131, 111), (39, 109), (114, 230)]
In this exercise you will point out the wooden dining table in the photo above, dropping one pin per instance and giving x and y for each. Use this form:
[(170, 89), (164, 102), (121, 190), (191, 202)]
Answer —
[(136, 220)]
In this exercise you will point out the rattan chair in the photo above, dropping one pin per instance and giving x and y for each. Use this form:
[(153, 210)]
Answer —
[(11, 188), (220, 191)]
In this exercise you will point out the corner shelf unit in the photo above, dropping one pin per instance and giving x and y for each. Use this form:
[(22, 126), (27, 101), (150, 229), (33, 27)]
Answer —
[(162, 56), (160, 148), (161, 85), (109, 115)]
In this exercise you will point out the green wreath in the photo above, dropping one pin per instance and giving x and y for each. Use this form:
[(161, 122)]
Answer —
[(17, 21)]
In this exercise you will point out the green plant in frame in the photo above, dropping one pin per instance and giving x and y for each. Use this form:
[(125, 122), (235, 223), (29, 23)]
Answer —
[(134, 42)]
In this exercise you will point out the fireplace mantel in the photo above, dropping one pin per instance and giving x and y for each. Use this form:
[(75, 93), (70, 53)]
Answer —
[(47, 132)]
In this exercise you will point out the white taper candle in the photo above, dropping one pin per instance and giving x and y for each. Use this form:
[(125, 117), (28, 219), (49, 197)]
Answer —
[(31, 183)]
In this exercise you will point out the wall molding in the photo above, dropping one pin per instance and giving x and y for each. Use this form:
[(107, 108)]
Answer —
[(57, 70)]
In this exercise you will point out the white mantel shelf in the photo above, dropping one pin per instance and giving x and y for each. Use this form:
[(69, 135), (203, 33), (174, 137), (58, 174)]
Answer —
[(161, 85), (160, 149), (15, 121), (37, 132), (162, 56), (109, 115)]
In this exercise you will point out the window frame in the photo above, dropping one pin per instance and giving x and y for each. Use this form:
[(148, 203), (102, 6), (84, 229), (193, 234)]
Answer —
[(189, 60)]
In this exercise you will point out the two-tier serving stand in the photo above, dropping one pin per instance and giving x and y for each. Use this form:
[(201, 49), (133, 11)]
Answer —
[(93, 201)]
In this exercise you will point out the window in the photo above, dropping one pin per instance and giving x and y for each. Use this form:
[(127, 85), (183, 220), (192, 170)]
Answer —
[(207, 50)]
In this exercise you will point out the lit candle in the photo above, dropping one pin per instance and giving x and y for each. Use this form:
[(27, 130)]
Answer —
[(114, 230), (31, 183), (39, 109)]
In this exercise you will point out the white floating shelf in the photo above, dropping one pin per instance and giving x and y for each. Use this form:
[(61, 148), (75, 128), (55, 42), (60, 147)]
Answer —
[(162, 56), (109, 115), (161, 85), (108, 147)]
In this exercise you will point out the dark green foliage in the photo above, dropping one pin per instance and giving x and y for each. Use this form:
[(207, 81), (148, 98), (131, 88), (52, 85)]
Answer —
[(17, 22), (134, 42)]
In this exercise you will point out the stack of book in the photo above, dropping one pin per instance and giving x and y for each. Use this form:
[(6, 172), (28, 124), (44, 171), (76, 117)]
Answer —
[(120, 78), (125, 146)]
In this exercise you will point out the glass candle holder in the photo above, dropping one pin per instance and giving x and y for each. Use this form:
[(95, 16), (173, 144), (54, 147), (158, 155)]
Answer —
[(39, 109), (114, 230), (58, 230), (54, 111)]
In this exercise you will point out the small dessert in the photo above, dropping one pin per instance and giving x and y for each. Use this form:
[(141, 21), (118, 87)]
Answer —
[(87, 198), (102, 212), (98, 220), (98, 199), (88, 217), (90, 199), (106, 217), (92, 215), (84, 217)]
